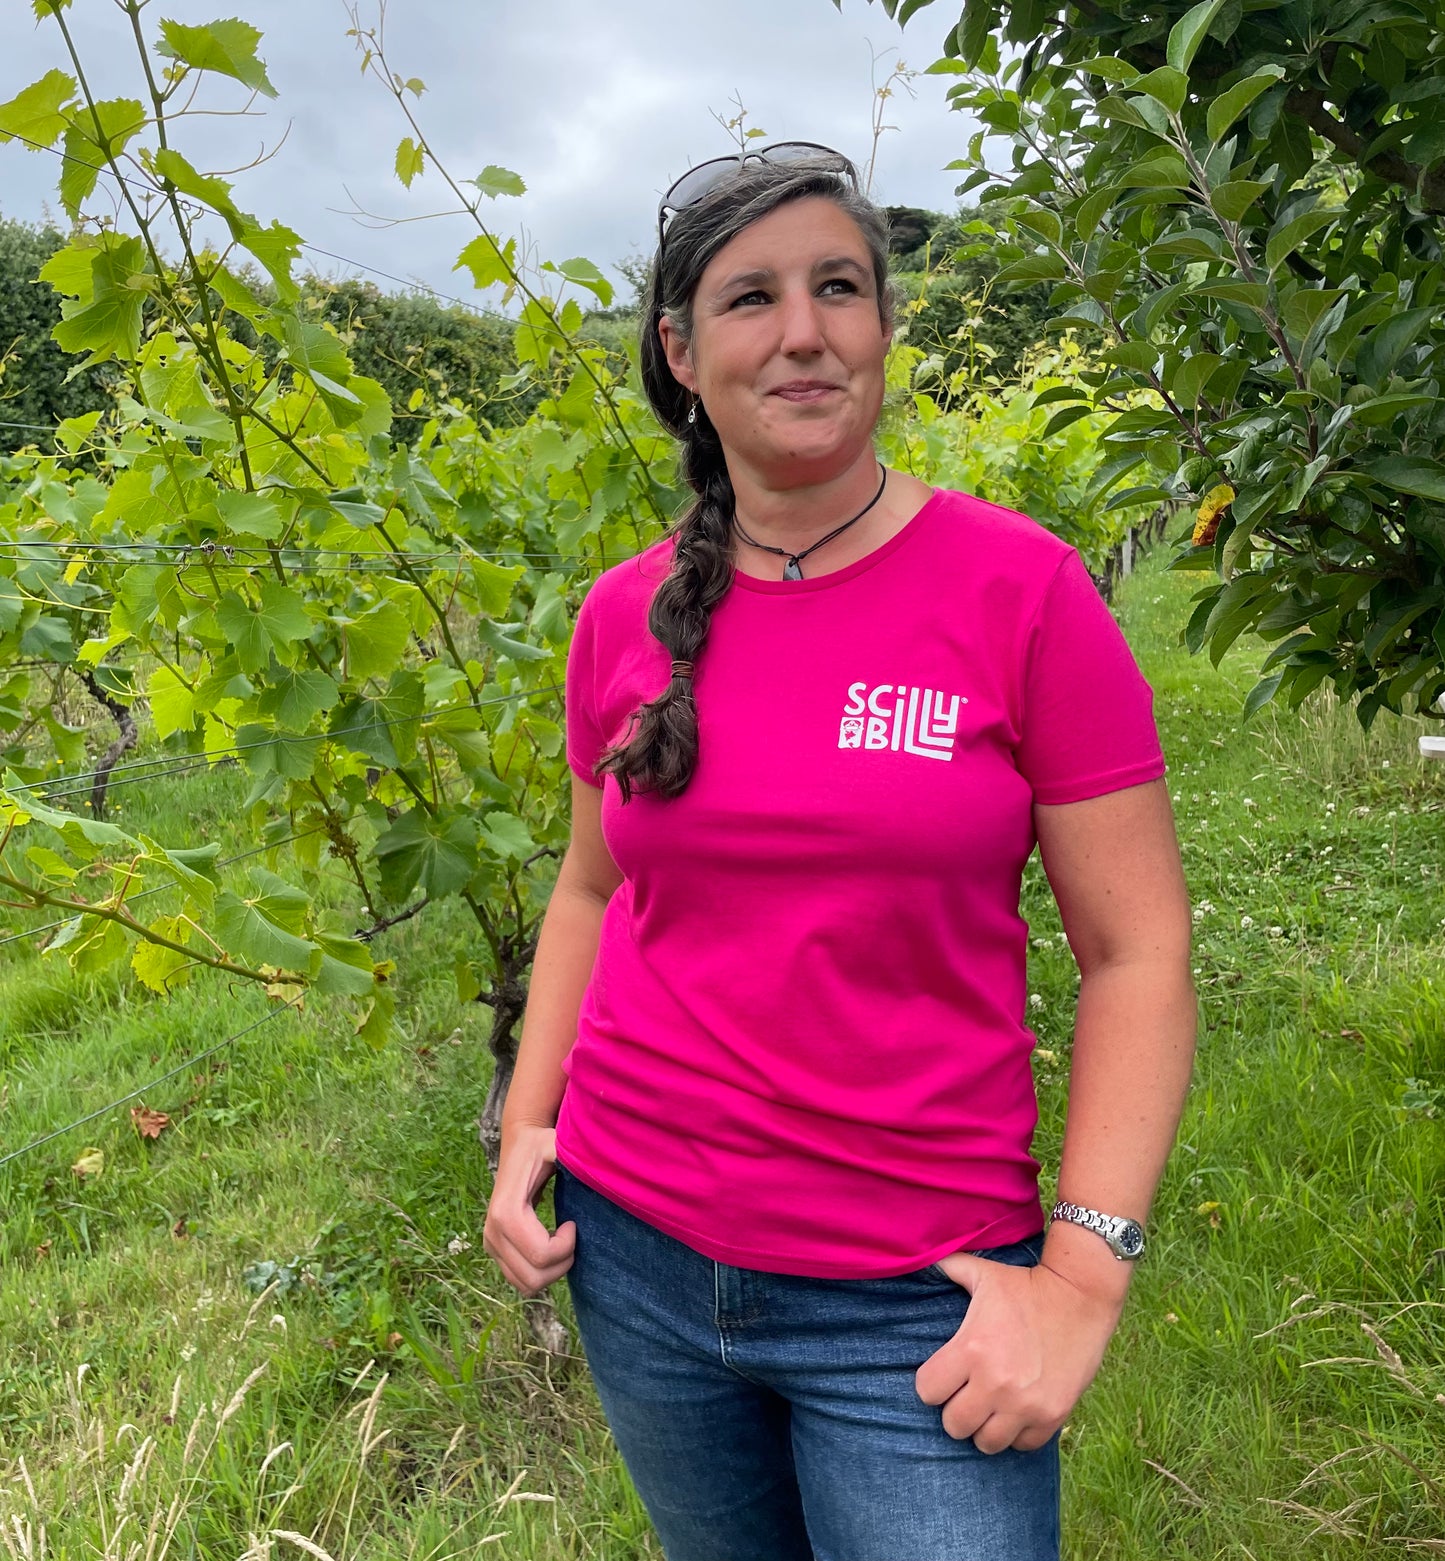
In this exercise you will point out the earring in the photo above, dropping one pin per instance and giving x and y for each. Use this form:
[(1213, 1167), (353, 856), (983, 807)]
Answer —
[(692, 414)]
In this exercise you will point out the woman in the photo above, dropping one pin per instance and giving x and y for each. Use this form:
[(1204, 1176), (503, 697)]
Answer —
[(775, 1046)]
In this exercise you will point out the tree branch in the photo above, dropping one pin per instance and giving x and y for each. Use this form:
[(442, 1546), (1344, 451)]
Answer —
[(366, 934), (123, 718), (1310, 105)]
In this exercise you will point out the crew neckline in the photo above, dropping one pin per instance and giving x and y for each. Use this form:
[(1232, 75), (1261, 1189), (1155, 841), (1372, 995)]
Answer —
[(810, 583)]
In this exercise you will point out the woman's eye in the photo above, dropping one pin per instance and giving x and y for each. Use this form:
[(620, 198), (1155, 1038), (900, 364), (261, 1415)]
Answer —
[(841, 283), (756, 296)]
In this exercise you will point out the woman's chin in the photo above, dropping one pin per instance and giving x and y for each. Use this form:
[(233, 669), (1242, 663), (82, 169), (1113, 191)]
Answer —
[(807, 452)]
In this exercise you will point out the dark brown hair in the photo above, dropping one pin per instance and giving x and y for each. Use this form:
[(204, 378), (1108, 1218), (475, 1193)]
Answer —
[(659, 752)]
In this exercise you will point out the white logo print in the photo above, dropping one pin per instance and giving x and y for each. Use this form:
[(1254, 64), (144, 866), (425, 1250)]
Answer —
[(917, 720)]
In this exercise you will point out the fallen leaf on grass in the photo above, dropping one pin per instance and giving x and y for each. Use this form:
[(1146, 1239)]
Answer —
[(90, 1163), (148, 1123)]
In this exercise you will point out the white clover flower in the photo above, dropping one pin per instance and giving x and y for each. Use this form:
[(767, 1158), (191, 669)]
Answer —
[(1248, 802), (1275, 932), (1035, 1000), (1043, 943), (457, 1245), (1245, 923)]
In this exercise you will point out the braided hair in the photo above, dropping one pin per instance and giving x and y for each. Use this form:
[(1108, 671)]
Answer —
[(659, 752)]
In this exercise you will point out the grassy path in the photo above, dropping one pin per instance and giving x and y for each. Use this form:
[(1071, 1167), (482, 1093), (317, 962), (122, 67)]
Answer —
[(1277, 1390)]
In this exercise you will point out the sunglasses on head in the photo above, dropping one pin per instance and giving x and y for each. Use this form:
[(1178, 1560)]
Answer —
[(706, 177)]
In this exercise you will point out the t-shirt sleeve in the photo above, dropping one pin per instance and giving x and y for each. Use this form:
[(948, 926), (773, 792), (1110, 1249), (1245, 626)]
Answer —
[(1087, 714), (585, 742)]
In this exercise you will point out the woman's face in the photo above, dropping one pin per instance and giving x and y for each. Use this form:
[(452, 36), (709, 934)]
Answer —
[(788, 346)]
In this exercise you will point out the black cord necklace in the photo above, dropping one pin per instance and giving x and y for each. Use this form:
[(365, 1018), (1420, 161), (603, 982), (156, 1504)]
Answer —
[(791, 571)]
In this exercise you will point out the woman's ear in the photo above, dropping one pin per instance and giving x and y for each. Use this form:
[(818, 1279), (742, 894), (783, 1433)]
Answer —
[(678, 351)]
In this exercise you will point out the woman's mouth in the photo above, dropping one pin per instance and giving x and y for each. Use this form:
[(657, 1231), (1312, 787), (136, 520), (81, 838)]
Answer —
[(805, 390)]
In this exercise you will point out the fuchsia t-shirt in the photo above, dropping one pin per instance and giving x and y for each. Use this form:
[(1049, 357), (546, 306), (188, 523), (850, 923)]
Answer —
[(804, 1048)]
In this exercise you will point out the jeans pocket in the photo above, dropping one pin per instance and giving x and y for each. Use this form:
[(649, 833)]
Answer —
[(562, 1183), (1017, 1254)]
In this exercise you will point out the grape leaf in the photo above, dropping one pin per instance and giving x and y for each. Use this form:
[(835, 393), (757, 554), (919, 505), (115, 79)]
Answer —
[(92, 138), (226, 47), (263, 929), (341, 966), (106, 320), (436, 850), (494, 584), (410, 160), (488, 263), (496, 181), (172, 702), (251, 514), (160, 968), (295, 698), (375, 641), (33, 116), (584, 274), (254, 632), (375, 1025), (507, 835)]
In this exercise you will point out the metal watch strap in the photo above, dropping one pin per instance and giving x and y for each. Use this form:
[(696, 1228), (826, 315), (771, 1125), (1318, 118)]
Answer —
[(1125, 1236)]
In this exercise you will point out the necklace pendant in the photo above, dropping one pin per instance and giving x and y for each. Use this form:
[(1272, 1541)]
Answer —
[(791, 570)]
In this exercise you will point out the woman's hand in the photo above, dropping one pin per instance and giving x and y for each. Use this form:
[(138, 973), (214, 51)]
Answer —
[(1030, 1344), (530, 1255)]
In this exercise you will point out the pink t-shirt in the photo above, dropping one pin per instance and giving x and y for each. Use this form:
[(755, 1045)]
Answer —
[(803, 1048)]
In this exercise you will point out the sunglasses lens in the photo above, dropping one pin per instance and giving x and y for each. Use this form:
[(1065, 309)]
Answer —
[(706, 177), (805, 152), (696, 183)]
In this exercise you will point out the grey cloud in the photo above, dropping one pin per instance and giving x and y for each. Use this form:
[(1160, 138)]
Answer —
[(598, 108)]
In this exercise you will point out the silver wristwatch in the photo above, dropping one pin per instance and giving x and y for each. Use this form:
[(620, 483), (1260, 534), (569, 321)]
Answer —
[(1125, 1236)]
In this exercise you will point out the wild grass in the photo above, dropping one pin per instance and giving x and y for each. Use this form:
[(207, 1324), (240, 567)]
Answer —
[(309, 1222)]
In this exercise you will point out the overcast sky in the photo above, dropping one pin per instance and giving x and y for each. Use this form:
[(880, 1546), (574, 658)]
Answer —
[(599, 107)]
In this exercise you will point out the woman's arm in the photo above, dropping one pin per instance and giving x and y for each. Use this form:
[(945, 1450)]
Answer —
[(529, 1254), (1033, 1338)]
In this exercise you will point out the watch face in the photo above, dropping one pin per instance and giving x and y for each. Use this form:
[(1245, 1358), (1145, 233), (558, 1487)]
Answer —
[(1131, 1238)]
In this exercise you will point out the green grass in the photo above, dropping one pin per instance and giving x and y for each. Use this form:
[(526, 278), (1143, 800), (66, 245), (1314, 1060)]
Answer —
[(1273, 1392)]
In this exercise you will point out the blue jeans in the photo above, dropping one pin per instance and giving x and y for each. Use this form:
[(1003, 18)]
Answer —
[(766, 1417)]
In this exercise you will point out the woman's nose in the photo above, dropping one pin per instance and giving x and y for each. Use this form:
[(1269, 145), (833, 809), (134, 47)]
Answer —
[(802, 325)]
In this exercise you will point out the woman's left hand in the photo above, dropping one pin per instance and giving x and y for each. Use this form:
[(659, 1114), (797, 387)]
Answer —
[(1029, 1345)]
